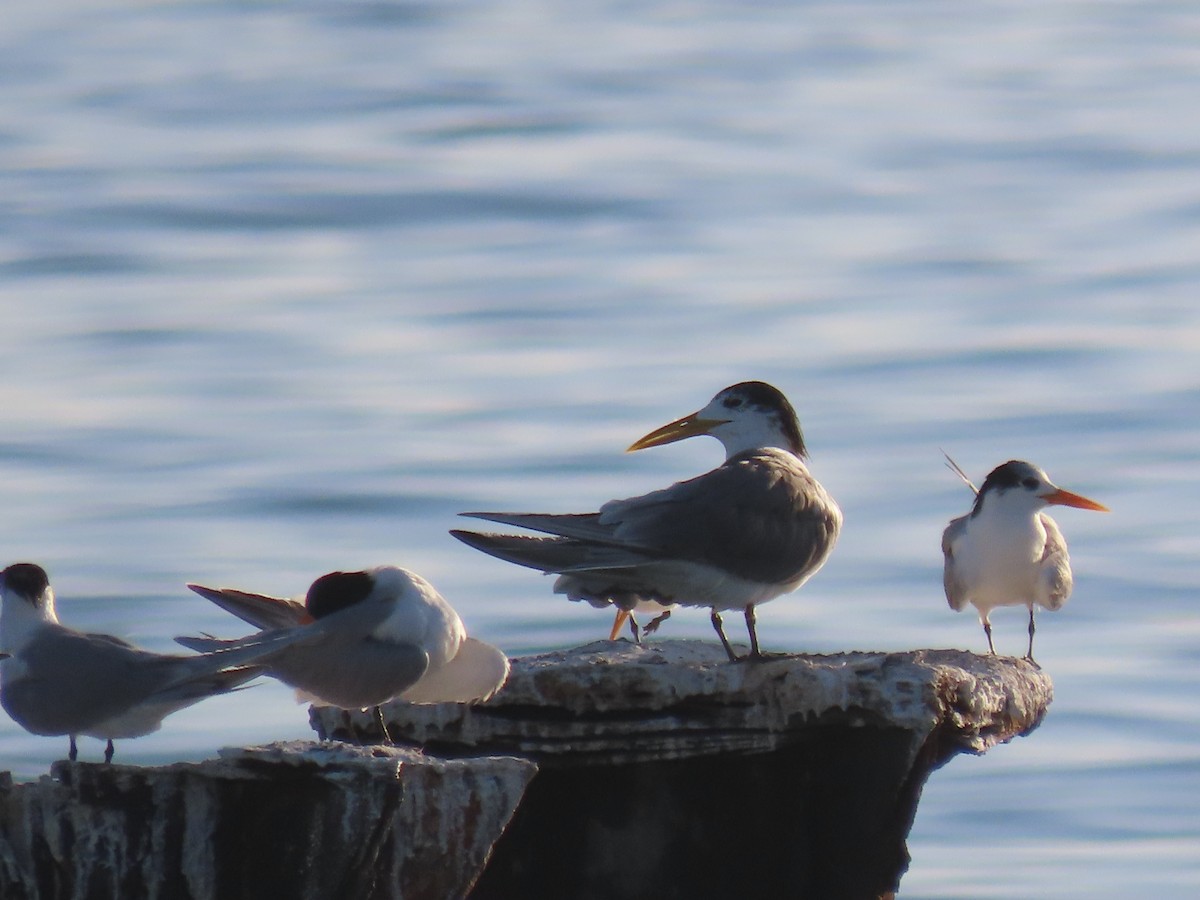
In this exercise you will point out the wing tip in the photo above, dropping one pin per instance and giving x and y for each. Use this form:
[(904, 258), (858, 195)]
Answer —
[(204, 591), (471, 538), (489, 516)]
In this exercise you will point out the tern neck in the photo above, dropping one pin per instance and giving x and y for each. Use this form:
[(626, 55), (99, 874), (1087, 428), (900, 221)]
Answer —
[(744, 440), (20, 620), (1012, 504)]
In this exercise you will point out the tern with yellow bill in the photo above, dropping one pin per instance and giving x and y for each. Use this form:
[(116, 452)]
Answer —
[(756, 527), (1006, 551)]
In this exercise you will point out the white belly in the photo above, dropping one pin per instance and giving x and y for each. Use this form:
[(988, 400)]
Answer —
[(1001, 566)]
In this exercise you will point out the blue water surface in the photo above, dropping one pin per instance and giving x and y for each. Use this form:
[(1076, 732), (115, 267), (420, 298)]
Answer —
[(286, 286)]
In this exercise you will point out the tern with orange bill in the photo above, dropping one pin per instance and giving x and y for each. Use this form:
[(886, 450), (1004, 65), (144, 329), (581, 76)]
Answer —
[(757, 526), (1006, 551)]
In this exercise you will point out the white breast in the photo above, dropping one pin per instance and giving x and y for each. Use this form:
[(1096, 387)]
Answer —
[(998, 557)]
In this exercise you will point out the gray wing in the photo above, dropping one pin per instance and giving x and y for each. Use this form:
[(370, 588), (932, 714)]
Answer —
[(342, 629), (74, 680), (260, 610), (760, 516), (602, 574), (369, 673), (956, 589), (552, 554), (1055, 576), (366, 673), (205, 643), (581, 526), (334, 659)]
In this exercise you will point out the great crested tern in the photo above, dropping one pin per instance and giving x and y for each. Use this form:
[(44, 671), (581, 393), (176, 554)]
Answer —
[(367, 637), (55, 680), (756, 527), (1006, 551)]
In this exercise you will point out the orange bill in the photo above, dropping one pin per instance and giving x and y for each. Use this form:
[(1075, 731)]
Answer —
[(1067, 498)]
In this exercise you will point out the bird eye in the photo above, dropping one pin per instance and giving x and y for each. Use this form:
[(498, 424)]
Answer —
[(1030, 483), (732, 402)]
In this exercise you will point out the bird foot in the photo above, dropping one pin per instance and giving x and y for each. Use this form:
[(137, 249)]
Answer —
[(655, 622)]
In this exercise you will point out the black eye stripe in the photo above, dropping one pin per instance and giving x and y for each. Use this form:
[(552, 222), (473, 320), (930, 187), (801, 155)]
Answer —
[(767, 399), (1012, 474)]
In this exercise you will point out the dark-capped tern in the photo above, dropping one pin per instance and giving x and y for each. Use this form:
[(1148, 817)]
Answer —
[(55, 680), (366, 638), (756, 527), (1006, 551)]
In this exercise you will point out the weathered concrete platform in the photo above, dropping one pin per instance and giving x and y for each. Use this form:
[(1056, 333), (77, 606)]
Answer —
[(297, 820), (666, 771)]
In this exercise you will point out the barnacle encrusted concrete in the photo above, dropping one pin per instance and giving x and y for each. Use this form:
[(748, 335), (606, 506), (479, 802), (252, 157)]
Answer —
[(297, 820), (667, 771)]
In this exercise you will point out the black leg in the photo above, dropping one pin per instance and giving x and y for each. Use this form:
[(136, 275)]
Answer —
[(987, 629), (387, 738), (655, 622), (73, 753), (751, 626), (109, 750), (1029, 655), (716, 620)]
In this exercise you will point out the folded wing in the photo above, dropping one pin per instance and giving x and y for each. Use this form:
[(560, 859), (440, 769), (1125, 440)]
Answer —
[(760, 516), (260, 610), (956, 588)]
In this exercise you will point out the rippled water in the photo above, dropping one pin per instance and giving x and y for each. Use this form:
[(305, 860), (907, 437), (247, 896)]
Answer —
[(287, 286)]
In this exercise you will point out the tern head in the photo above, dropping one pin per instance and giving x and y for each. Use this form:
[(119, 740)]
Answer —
[(337, 591), (742, 417), (1024, 484), (383, 584), (30, 583), (28, 598)]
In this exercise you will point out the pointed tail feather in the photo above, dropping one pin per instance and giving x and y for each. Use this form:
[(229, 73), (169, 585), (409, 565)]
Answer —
[(550, 554), (188, 690), (582, 526), (260, 610), (226, 654), (203, 643), (227, 680)]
